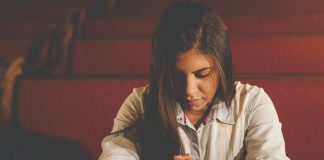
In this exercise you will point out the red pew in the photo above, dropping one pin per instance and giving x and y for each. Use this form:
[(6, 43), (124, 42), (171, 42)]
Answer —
[(11, 47), (251, 25), (148, 8), (251, 55), (42, 10), (76, 110), (82, 110), (24, 28), (113, 56)]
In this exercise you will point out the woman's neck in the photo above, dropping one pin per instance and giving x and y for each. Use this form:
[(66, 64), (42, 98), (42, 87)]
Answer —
[(197, 117)]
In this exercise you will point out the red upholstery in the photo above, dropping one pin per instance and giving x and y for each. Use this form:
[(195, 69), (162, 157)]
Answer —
[(41, 10), (15, 46), (37, 4), (113, 56), (238, 25), (24, 14), (83, 110), (78, 110), (260, 25), (287, 55), (251, 55), (23, 28), (119, 27), (246, 7)]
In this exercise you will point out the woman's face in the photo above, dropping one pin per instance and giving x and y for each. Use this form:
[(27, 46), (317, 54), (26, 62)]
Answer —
[(195, 80)]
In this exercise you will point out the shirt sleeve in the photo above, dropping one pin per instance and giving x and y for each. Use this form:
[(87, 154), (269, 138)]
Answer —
[(119, 146), (264, 139), (131, 110)]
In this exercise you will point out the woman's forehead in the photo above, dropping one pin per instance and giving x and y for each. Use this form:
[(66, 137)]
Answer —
[(193, 60)]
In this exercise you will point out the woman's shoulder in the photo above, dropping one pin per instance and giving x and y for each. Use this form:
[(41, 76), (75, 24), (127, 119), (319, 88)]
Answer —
[(140, 91), (135, 98), (137, 94), (255, 103), (251, 96), (131, 110), (244, 89)]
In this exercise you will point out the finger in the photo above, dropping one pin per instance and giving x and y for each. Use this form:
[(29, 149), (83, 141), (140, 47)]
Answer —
[(183, 157), (187, 156), (177, 157)]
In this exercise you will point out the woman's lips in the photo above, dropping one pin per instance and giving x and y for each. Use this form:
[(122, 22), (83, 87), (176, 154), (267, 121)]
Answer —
[(194, 102)]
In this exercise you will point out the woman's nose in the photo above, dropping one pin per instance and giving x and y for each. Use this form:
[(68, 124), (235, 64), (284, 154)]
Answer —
[(190, 87)]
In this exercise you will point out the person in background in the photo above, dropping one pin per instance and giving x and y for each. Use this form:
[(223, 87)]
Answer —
[(192, 108)]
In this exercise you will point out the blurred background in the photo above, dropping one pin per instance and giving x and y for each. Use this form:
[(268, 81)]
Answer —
[(67, 65)]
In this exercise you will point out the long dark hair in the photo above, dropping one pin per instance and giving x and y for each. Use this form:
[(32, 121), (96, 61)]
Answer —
[(183, 26)]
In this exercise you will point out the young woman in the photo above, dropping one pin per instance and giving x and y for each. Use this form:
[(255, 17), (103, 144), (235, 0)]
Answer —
[(192, 108)]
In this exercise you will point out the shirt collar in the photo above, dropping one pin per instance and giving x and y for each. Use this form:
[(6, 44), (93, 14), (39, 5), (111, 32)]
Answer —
[(180, 115), (218, 112)]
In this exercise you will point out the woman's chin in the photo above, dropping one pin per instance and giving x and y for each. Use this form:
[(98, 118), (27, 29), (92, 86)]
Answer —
[(196, 108)]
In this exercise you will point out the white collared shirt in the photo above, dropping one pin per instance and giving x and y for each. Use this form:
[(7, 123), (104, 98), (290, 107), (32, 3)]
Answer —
[(248, 129)]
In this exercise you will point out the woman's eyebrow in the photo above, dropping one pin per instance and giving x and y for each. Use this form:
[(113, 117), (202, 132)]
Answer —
[(202, 69)]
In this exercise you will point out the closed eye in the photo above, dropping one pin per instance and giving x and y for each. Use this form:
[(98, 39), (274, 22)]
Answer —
[(202, 73)]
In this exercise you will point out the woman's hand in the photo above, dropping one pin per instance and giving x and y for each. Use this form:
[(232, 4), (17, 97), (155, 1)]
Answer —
[(183, 157)]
